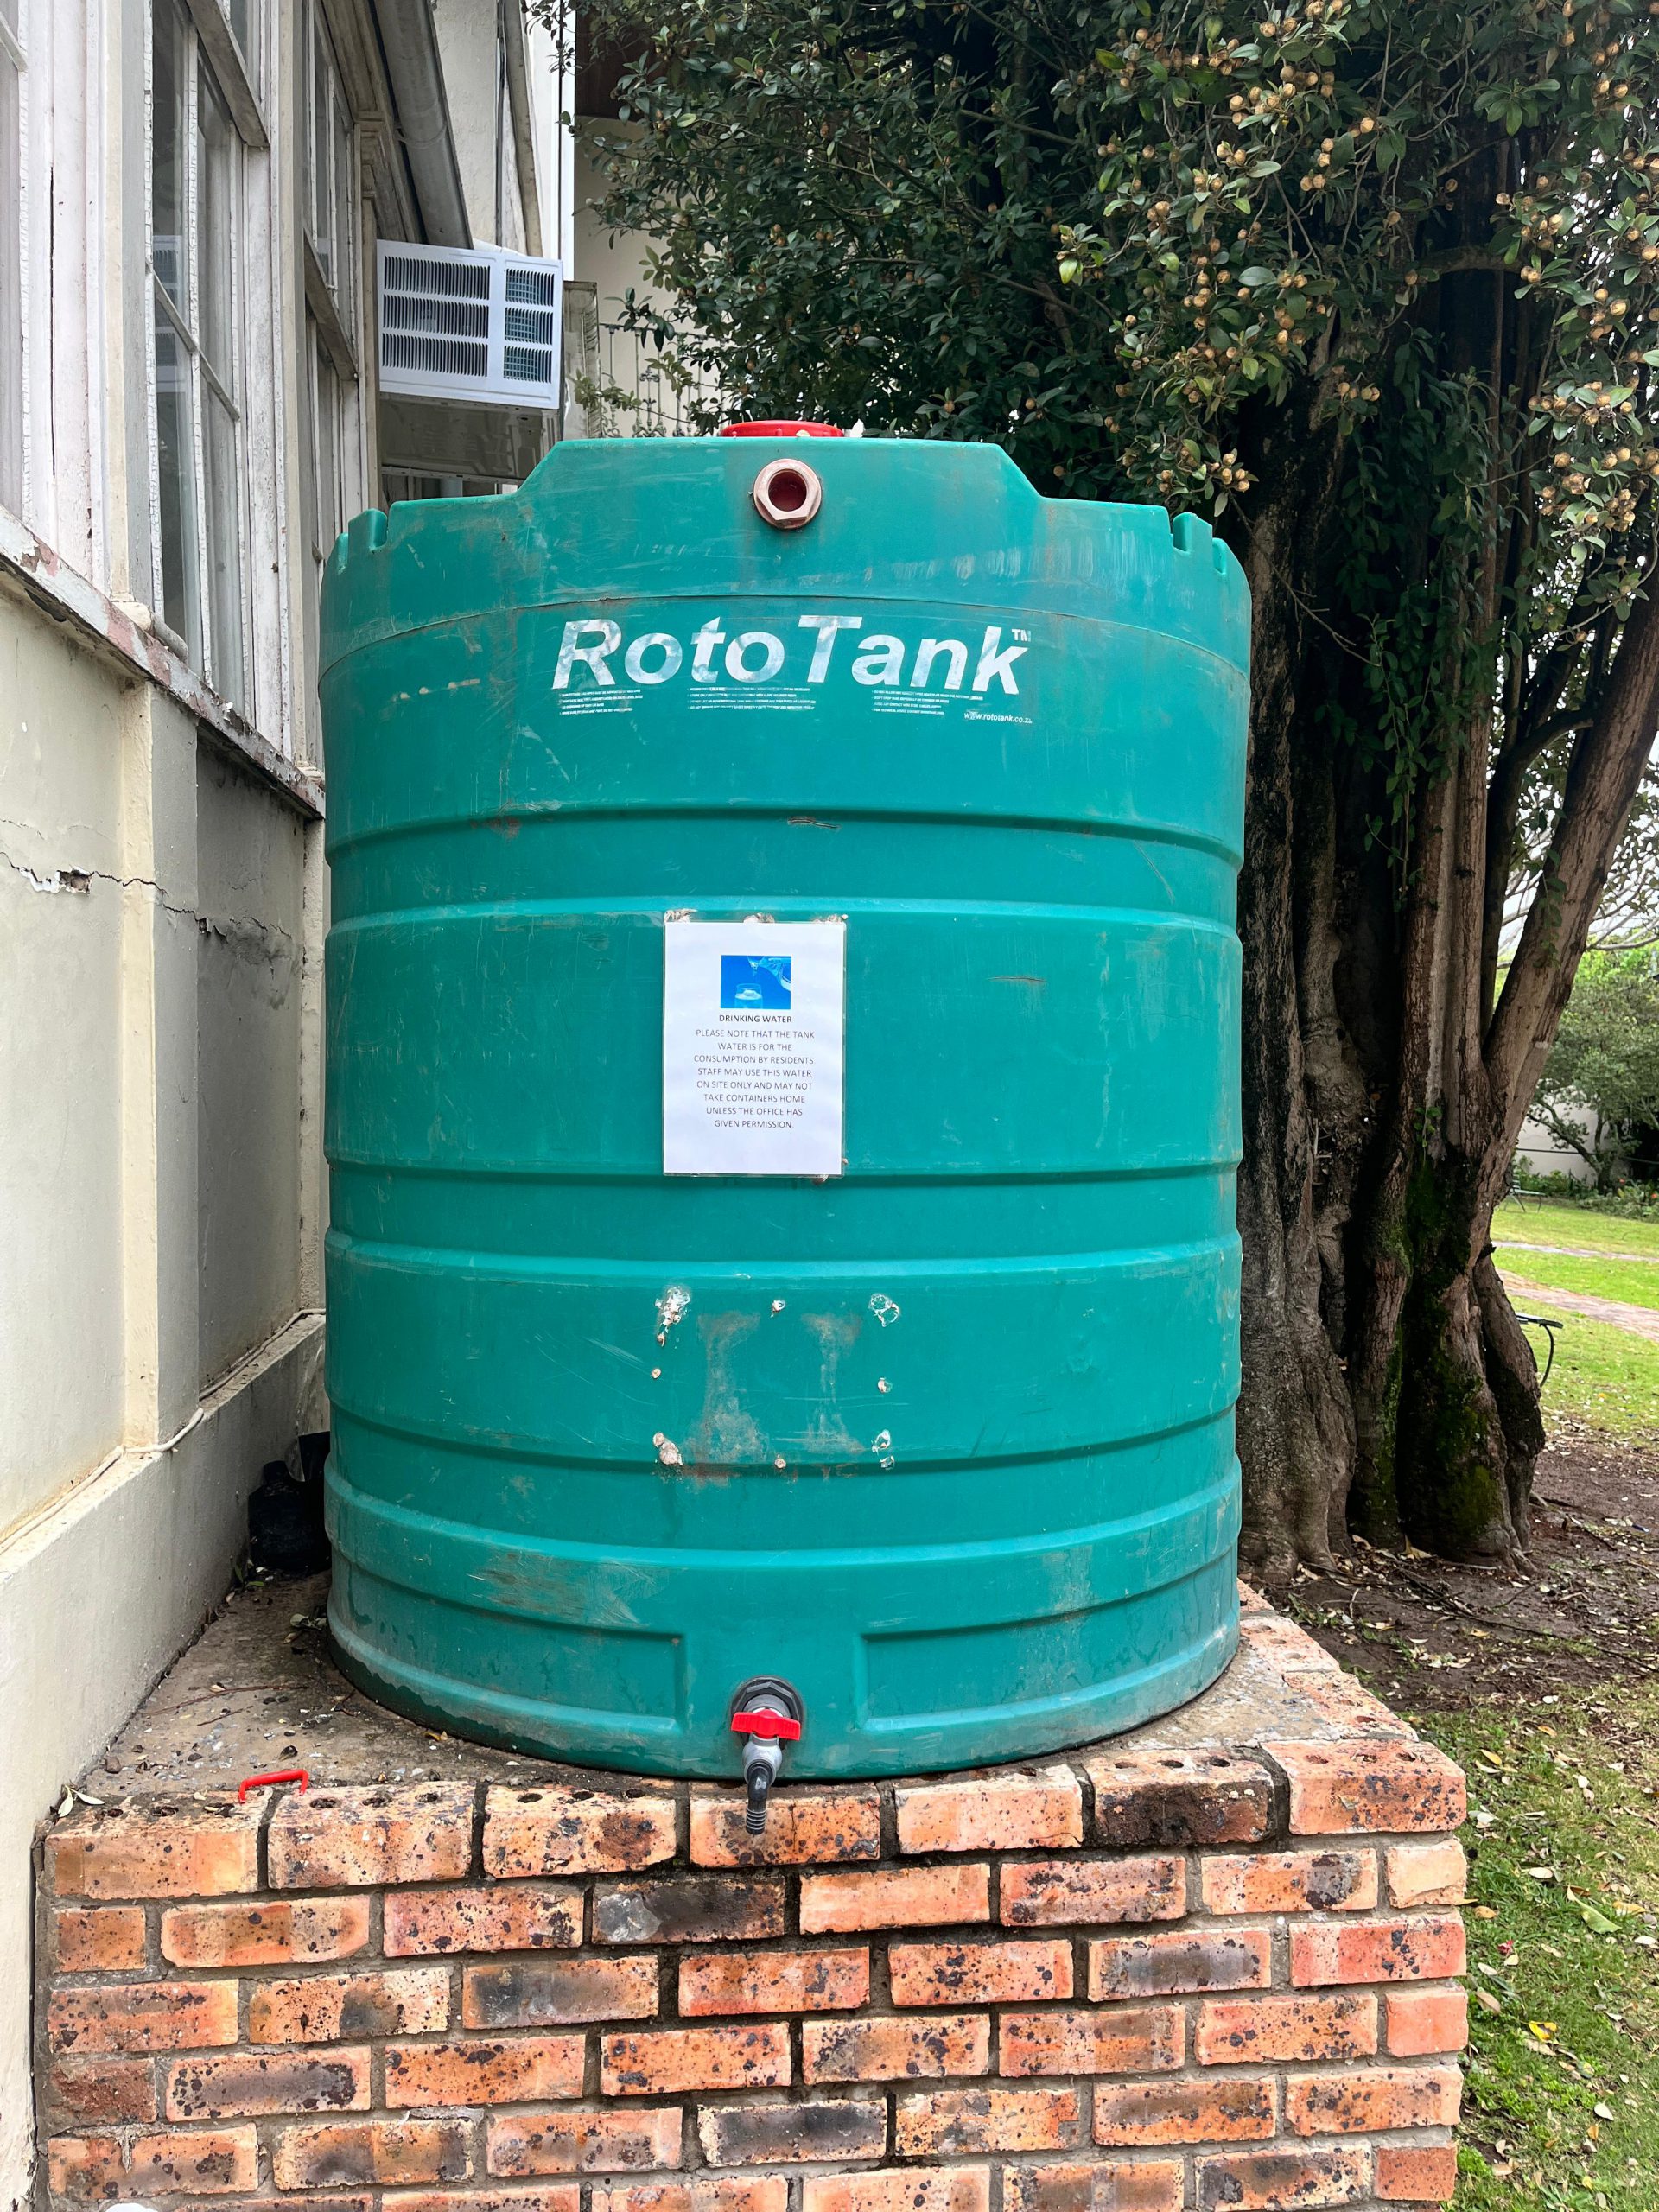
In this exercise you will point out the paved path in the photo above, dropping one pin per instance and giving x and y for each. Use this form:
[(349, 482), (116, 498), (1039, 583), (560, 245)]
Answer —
[(1640, 1320), (1577, 1252)]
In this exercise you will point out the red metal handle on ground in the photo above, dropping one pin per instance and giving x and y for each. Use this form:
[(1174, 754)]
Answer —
[(776, 1727), (266, 1781)]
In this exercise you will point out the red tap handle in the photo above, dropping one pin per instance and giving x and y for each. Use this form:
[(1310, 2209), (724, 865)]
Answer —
[(776, 1727), (266, 1781)]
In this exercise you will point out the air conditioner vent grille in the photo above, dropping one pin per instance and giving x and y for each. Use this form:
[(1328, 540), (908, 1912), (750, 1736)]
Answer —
[(469, 325)]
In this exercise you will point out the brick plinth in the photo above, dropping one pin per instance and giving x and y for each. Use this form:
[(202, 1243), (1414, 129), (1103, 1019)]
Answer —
[(1211, 1964)]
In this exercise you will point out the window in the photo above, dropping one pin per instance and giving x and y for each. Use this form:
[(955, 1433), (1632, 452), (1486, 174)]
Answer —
[(195, 199), (11, 256), (333, 457), (243, 16), (330, 218)]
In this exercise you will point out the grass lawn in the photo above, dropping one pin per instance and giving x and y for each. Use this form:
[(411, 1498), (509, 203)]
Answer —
[(1634, 1283), (1603, 1377), (1563, 2082), (1555, 1221)]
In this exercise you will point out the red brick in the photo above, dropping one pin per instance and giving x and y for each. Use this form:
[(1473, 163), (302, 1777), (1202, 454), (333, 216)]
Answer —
[(560, 2197), (803, 1828), (245, 2084), (1291, 1881), (774, 1981), (526, 2069), (547, 1993), (551, 1829), (915, 2189), (102, 2092), (1160, 1965), (1362, 1787), (90, 1940), (275, 1932), (358, 1838), (1239, 2030), (718, 2193), (528, 1916), (584, 2142), (1246, 2181), (1122, 2040), (1411, 2173), (357, 2153), (978, 1974), (896, 1896), (934, 2123), (1423, 2021), (1224, 2109), (1426, 1949), (157, 1847), (1039, 1811), (678, 2059), (1367, 2100), (927, 2048), (1180, 1800), (1348, 1706), (193, 2162), (1109, 2185), (793, 2134), (1427, 1873), (84, 2168), (142, 2016), (690, 1909), (336, 2007), (1084, 1892)]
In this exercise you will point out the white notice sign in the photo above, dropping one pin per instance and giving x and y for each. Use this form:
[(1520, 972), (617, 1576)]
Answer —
[(753, 1019)]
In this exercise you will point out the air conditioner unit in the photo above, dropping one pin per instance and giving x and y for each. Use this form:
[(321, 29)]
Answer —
[(469, 324)]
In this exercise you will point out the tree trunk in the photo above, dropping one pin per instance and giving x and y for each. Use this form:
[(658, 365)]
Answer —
[(1295, 1430)]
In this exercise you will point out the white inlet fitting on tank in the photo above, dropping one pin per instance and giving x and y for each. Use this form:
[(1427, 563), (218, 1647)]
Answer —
[(787, 493)]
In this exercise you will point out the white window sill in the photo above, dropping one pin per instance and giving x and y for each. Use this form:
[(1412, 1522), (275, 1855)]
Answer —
[(131, 633)]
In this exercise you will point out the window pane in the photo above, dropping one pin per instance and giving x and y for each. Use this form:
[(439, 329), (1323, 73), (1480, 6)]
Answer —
[(345, 235), (216, 157), (167, 186), (244, 18), (323, 150), (176, 449), (328, 516), (224, 547), (11, 306)]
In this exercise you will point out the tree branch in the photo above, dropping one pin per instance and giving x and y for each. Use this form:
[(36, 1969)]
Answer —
[(1602, 779)]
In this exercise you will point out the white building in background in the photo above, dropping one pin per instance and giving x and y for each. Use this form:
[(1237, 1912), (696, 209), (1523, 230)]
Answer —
[(190, 195)]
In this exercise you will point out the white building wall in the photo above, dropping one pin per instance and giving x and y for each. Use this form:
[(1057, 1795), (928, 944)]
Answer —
[(162, 902)]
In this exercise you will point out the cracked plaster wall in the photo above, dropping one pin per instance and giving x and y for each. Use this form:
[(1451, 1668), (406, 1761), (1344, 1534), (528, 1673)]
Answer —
[(160, 933)]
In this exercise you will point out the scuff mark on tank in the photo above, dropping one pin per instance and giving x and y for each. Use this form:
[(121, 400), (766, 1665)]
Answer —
[(727, 1432), (886, 1310), (670, 1309), (667, 1452), (882, 1384), (881, 1441), (830, 1438)]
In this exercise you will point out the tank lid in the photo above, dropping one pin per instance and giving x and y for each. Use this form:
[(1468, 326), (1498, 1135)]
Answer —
[(782, 430)]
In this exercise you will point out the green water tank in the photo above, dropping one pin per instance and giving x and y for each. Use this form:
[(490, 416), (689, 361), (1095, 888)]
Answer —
[(783, 1073)]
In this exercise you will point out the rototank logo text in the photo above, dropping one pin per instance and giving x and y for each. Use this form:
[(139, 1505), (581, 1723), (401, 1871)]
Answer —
[(592, 649)]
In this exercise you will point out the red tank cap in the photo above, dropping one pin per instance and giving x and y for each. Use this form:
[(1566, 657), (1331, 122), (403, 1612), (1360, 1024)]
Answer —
[(782, 430)]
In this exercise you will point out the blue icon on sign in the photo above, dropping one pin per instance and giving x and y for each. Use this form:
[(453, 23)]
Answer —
[(753, 986)]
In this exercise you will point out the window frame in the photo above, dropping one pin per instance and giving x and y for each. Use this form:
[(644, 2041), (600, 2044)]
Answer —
[(225, 383), (14, 259)]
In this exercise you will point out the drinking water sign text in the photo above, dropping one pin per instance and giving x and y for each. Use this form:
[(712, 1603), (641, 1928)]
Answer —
[(753, 1024)]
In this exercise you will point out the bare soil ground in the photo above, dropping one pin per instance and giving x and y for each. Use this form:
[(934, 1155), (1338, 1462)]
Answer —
[(1578, 1614)]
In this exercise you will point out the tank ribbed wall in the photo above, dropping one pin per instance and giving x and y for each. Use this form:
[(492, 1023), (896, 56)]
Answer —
[(946, 1440)]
